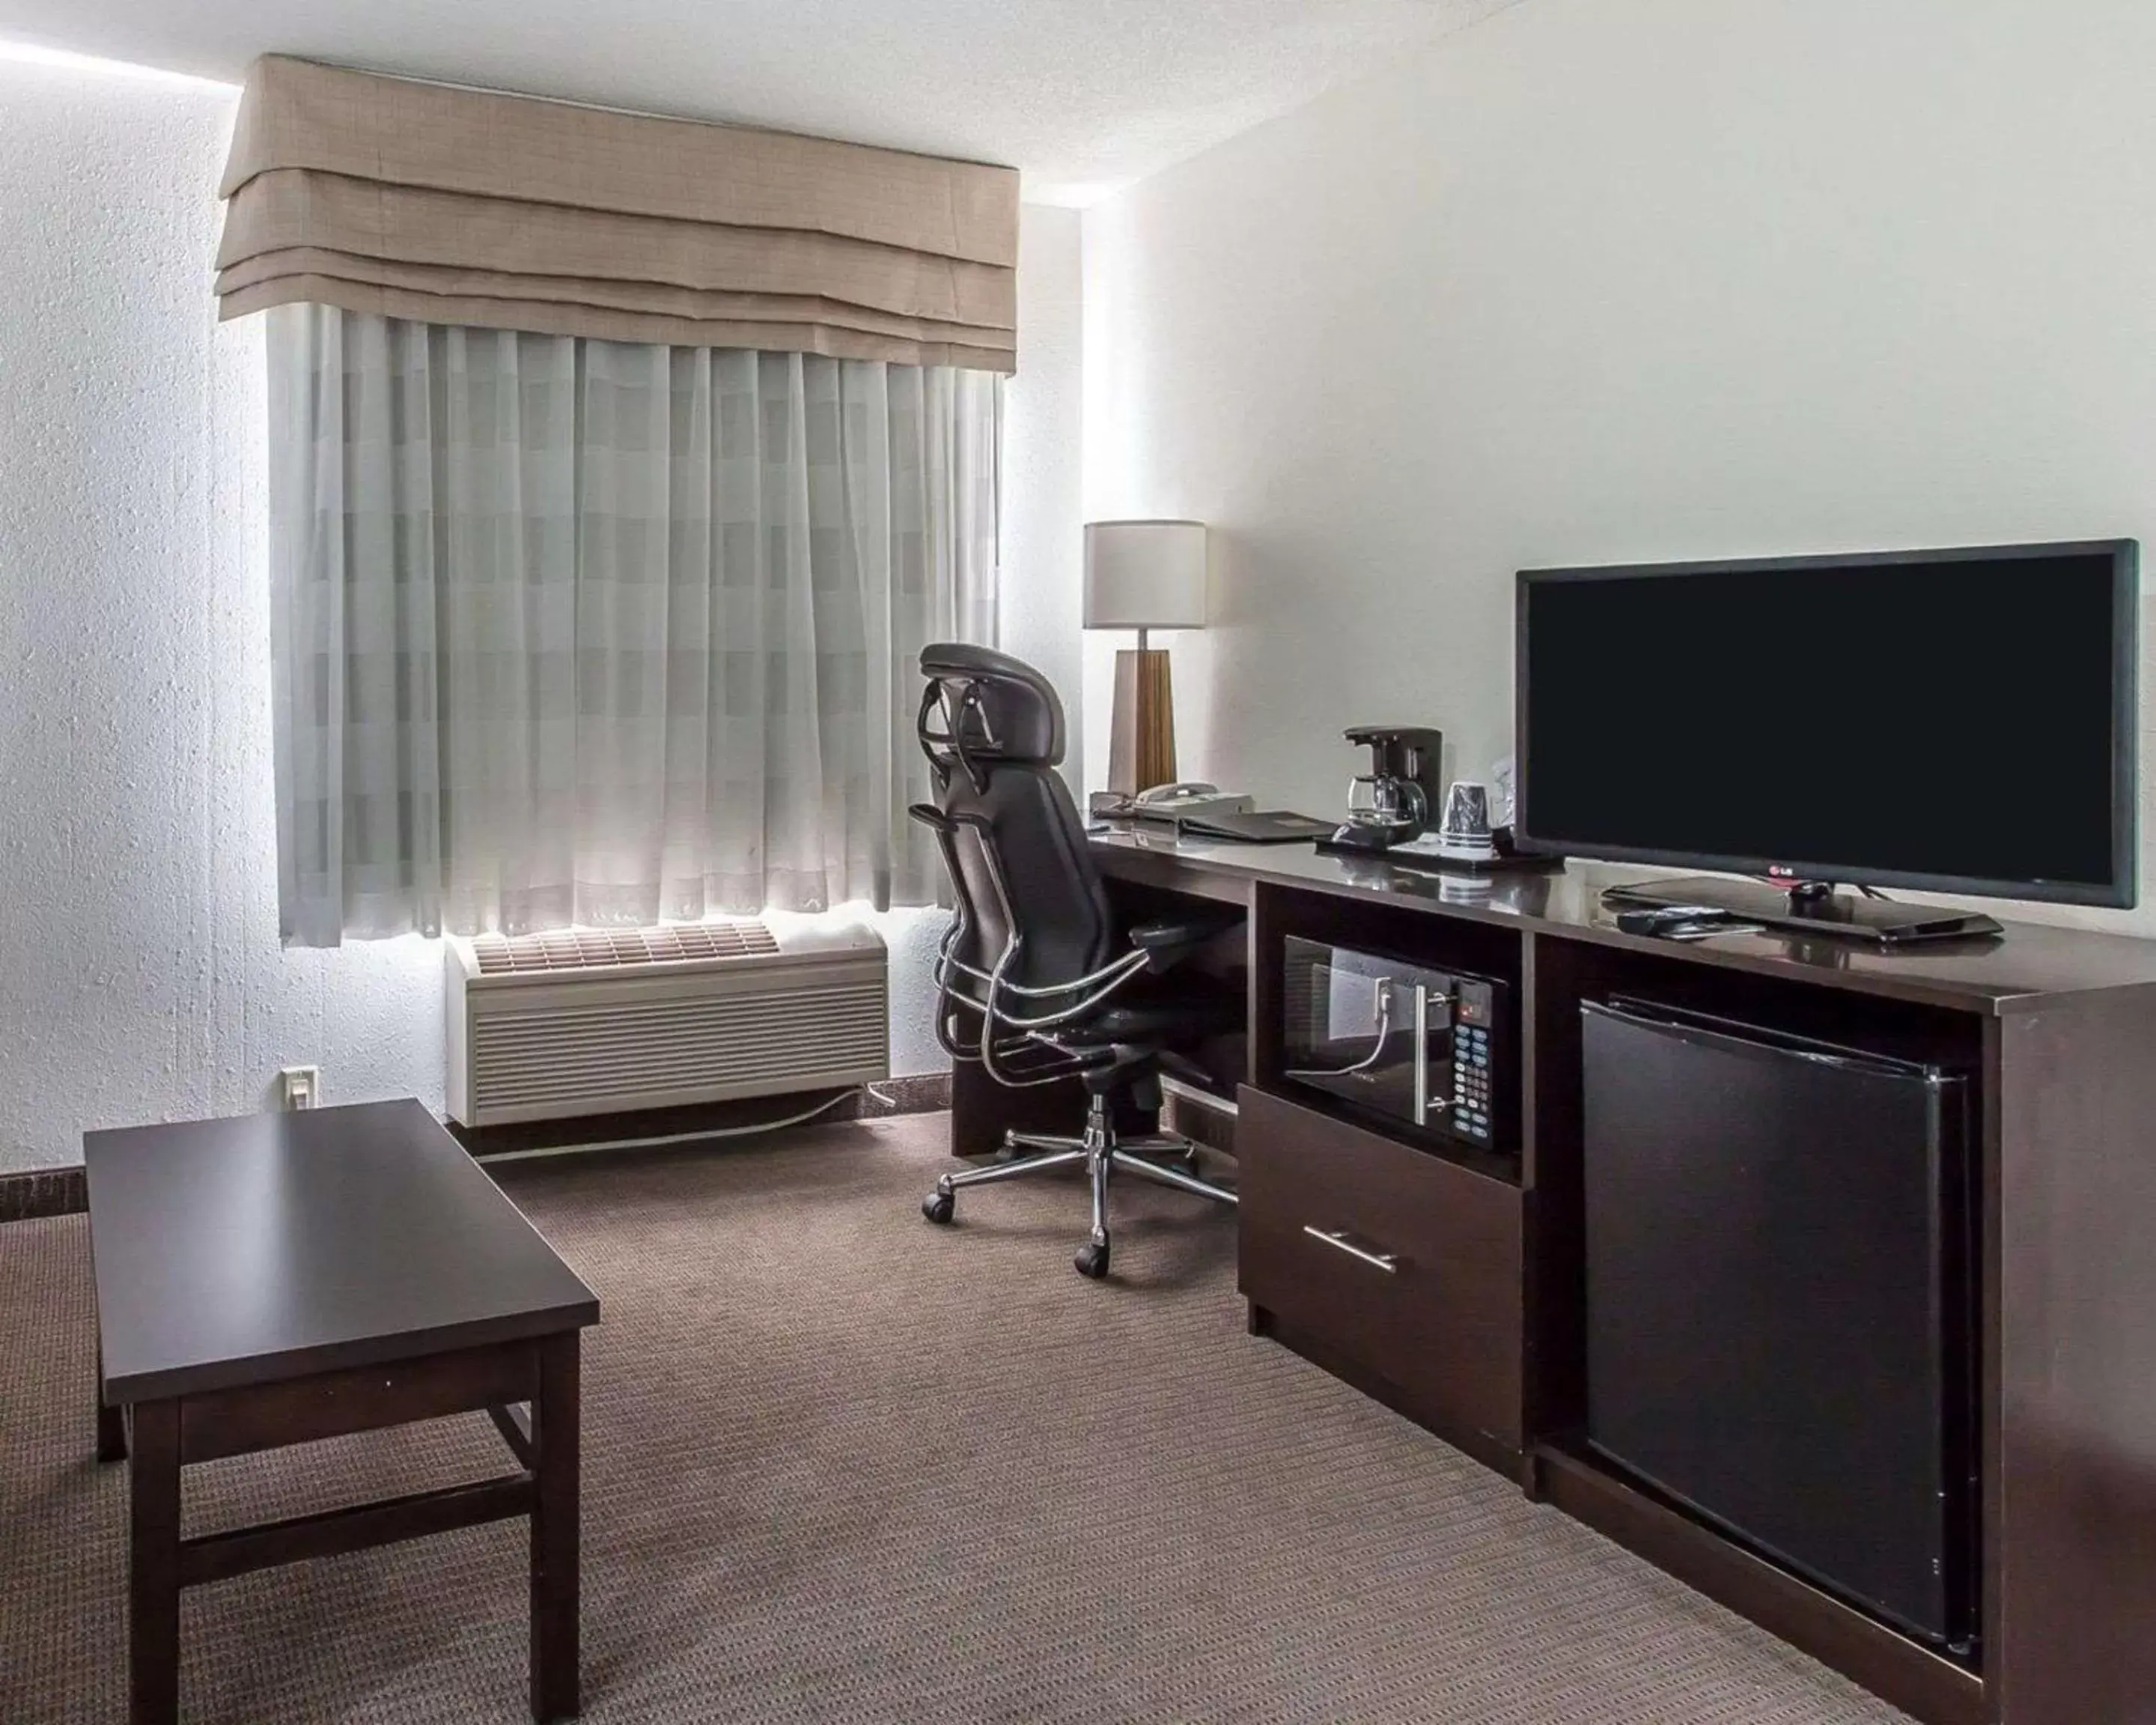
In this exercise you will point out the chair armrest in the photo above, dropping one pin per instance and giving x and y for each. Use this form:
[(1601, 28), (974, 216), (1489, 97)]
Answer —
[(1169, 939)]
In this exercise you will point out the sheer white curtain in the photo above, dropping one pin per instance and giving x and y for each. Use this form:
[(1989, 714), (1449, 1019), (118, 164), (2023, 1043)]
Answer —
[(580, 631)]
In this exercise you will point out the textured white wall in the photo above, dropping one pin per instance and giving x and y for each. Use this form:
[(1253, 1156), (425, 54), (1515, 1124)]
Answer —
[(1600, 280), (141, 975)]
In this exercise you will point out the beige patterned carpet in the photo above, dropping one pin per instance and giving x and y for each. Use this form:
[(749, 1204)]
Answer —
[(842, 1466)]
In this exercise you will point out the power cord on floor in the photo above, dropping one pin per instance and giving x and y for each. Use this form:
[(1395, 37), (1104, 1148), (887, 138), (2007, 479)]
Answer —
[(653, 1144)]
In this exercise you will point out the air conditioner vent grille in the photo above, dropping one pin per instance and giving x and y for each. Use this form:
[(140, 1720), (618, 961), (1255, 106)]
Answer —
[(621, 949), (644, 1054), (596, 1021)]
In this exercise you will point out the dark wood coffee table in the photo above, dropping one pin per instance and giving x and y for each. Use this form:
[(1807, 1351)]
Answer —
[(279, 1278)]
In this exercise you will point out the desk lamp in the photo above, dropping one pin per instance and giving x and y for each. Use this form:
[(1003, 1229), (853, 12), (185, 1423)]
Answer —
[(1143, 575)]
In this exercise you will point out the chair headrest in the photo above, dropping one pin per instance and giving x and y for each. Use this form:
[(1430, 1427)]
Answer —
[(994, 707)]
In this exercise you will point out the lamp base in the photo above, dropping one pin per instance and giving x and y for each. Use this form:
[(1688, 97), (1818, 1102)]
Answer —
[(1142, 737)]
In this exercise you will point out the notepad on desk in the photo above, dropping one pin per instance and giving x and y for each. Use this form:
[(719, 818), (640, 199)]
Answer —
[(1205, 811), (1255, 827)]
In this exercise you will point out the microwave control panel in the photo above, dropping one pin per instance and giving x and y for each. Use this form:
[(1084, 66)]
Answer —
[(1474, 1022)]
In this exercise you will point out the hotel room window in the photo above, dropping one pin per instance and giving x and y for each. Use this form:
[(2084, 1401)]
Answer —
[(571, 630), (620, 467)]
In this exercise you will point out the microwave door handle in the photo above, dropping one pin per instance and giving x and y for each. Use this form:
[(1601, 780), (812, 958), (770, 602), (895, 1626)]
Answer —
[(1381, 1001), (1423, 1100)]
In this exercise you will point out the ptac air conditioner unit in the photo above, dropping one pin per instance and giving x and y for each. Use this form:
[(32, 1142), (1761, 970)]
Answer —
[(547, 1026)]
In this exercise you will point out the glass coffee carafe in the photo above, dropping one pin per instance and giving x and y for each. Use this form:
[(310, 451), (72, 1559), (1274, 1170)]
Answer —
[(1392, 804)]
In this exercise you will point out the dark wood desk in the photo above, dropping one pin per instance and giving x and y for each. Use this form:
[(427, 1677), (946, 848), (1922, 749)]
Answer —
[(2058, 1027), (279, 1278), (2036, 966)]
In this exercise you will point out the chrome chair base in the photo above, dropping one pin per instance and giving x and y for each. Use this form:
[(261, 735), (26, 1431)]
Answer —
[(1104, 1155)]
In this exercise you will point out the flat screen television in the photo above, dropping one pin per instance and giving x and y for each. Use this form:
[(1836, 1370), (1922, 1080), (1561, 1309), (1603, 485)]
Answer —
[(1957, 720)]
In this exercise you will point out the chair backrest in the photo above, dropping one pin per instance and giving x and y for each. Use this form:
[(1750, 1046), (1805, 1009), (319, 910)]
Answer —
[(993, 729)]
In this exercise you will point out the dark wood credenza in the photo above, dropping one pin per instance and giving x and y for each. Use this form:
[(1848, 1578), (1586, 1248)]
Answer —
[(1487, 1347)]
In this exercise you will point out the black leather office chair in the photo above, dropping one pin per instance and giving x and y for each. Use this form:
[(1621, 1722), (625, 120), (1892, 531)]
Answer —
[(1032, 982)]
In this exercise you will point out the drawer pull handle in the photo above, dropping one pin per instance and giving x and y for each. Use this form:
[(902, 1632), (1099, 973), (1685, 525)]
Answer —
[(1389, 1262)]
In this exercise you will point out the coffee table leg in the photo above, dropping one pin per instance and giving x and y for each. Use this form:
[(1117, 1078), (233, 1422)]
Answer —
[(554, 1533), (153, 1564), (111, 1421)]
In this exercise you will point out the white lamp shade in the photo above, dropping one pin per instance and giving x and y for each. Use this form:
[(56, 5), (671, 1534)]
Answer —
[(1145, 575)]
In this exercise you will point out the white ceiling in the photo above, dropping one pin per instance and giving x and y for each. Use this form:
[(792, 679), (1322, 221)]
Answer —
[(1082, 95)]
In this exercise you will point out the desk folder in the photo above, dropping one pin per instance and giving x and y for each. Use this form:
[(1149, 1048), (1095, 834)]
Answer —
[(1250, 827)]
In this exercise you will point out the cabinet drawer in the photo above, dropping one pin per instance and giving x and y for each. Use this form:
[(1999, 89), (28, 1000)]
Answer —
[(1406, 1264)]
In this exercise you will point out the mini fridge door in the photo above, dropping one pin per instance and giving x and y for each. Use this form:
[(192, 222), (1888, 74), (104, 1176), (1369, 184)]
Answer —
[(1778, 1315)]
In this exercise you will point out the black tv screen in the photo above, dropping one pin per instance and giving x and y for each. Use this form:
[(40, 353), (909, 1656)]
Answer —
[(1958, 720)]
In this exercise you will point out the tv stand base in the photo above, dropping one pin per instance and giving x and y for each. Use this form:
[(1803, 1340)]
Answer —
[(1812, 907)]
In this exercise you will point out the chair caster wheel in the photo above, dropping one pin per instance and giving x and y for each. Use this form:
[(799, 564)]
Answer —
[(1092, 1260), (937, 1206)]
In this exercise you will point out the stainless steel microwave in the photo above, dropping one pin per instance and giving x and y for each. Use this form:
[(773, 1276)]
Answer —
[(1408, 1045)]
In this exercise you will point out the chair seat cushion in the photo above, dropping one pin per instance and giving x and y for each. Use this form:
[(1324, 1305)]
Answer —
[(1161, 1016), (1166, 1023)]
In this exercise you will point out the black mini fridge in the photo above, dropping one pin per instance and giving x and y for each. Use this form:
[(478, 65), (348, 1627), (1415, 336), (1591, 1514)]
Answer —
[(1780, 1320)]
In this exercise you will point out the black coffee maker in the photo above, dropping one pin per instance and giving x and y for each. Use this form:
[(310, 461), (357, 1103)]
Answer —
[(1399, 797)]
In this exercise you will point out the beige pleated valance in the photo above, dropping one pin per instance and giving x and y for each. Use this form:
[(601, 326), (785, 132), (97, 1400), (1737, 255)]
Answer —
[(469, 207)]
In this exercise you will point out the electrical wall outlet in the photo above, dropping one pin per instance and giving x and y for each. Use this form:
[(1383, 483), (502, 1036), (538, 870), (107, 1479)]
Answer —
[(300, 1088)]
